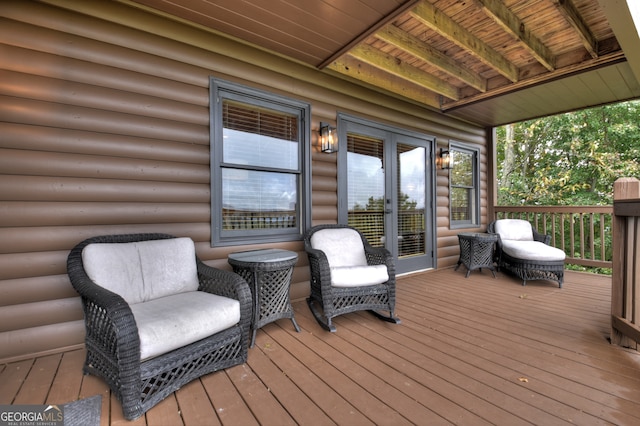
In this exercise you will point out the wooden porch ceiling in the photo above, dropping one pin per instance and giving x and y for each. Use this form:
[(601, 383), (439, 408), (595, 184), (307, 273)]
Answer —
[(490, 62)]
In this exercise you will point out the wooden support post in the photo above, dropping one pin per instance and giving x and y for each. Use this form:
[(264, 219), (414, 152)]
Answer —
[(624, 304)]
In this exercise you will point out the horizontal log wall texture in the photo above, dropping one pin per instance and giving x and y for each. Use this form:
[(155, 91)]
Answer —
[(104, 129)]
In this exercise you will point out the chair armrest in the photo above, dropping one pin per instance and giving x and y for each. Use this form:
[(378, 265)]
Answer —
[(221, 282), (110, 321), (543, 238), (497, 253), (381, 256), (320, 273), (377, 255), (227, 284), (318, 261)]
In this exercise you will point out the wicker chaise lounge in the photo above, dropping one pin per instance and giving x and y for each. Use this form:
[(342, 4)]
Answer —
[(348, 275), (527, 253), (156, 317)]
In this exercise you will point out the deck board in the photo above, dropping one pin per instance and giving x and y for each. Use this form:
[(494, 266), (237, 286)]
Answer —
[(474, 350)]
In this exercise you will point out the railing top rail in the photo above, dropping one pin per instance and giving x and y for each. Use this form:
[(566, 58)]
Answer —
[(556, 209), (627, 207)]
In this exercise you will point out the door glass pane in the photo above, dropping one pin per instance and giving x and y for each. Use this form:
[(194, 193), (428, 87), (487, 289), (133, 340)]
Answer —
[(411, 200), (366, 194)]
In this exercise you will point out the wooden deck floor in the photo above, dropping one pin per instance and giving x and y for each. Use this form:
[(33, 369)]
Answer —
[(469, 351)]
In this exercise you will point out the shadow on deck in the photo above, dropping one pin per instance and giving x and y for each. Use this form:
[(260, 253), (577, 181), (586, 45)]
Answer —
[(469, 351)]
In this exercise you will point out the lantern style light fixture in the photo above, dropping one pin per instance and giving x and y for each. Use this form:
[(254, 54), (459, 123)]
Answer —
[(328, 138), (445, 159)]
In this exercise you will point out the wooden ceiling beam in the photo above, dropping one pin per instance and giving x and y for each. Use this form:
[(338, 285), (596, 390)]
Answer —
[(378, 79), (430, 16), (571, 14), (392, 65), (506, 19), (421, 50)]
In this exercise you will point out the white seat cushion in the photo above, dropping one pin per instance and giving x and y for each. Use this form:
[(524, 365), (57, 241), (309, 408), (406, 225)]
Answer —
[(357, 276), (532, 250), (143, 270), (514, 229), (171, 322), (342, 246)]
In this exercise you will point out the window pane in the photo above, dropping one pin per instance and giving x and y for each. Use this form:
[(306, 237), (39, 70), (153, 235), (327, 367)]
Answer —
[(258, 200), (261, 137), (461, 204), (462, 173)]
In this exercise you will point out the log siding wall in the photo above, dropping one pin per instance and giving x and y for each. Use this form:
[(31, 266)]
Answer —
[(104, 128)]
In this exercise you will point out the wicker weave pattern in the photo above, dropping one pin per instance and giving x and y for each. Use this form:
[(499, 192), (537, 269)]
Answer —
[(527, 269), (477, 252), (269, 283), (113, 345), (336, 301)]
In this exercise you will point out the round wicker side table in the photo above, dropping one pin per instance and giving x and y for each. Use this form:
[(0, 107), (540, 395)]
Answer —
[(476, 251), (268, 273)]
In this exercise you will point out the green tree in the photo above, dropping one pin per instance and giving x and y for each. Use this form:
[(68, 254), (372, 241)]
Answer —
[(568, 159)]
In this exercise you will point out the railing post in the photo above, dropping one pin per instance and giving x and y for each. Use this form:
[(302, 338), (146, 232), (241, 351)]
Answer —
[(624, 281)]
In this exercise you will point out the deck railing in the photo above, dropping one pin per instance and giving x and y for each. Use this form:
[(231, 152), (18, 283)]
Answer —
[(235, 219), (584, 233), (411, 229), (625, 303)]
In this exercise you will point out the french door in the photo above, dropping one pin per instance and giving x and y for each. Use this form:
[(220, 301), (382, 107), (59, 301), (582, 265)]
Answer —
[(386, 190)]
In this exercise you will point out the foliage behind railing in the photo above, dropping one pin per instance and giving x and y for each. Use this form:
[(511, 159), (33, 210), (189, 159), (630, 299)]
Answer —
[(584, 233)]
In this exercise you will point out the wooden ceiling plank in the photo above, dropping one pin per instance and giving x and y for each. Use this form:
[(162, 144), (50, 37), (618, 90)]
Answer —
[(361, 37), (496, 10), (400, 69), (430, 16), (577, 68), (571, 14), (421, 50)]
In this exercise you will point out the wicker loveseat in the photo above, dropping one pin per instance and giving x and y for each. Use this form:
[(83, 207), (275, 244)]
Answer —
[(348, 275), (156, 317), (526, 253)]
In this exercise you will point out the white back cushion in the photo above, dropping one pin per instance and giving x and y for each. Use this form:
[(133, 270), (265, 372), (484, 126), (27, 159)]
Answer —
[(143, 270), (514, 229), (342, 246)]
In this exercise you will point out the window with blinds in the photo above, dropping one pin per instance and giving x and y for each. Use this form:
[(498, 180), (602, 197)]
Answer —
[(257, 158)]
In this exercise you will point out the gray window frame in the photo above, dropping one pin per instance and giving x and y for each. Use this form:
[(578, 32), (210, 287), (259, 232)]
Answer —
[(221, 90), (475, 188)]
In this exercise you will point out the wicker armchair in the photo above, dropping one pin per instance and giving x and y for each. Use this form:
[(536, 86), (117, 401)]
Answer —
[(348, 275), (202, 325), (526, 253)]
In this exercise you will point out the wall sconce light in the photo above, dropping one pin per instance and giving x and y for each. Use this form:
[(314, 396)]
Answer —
[(445, 159), (328, 138)]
